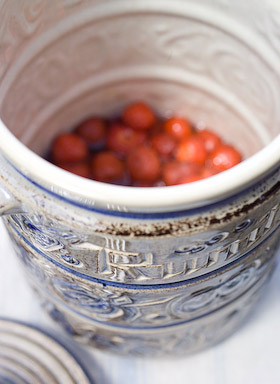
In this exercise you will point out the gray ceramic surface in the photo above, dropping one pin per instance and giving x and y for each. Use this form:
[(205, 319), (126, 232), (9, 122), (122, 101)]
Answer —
[(142, 271), (30, 356)]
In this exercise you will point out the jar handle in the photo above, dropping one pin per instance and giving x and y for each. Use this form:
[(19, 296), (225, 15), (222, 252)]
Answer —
[(8, 203)]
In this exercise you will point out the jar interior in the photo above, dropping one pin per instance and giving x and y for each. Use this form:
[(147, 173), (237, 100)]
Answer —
[(97, 59)]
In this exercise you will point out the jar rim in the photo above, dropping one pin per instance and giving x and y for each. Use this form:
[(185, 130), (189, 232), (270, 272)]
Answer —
[(136, 199)]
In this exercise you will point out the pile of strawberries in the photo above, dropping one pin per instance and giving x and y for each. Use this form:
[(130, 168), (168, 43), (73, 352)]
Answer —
[(142, 150)]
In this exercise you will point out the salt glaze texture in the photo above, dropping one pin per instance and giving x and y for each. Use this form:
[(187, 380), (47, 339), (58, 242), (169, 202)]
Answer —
[(151, 281), (107, 293)]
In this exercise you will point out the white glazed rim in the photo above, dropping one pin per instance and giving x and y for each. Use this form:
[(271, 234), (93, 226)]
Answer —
[(122, 198)]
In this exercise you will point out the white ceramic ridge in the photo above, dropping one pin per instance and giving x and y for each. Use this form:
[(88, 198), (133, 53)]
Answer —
[(150, 199)]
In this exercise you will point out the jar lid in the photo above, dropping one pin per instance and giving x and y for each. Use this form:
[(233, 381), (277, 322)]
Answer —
[(27, 355)]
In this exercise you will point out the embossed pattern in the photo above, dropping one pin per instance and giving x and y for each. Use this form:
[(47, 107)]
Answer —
[(109, 313), (181, 320), (178, 340), (151, 307), (157, 284), (111, 259)]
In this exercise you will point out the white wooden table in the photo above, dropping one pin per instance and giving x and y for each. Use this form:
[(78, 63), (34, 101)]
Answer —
[(251, 356)]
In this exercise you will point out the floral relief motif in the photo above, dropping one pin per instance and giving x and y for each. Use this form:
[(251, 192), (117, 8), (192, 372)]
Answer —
[(145, 307), (188, 339), (102, 303)]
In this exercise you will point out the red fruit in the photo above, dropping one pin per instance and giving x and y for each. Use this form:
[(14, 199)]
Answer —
[(224, 157), (122, 139), (157, 128), (210, 139), (92, 130), (107, 167), (164, 144), (142, 185), (177, 173), (208, 172), (143, 165), (139, 116), (191, 179), (178, 127), (81, 168), (170, 153), (192, 150), (68, 147)]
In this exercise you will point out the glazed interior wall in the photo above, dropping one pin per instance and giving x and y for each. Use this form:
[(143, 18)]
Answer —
[(62, 64)]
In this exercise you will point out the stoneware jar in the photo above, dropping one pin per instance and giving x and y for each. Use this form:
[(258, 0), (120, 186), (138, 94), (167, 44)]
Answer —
[(143, 271)]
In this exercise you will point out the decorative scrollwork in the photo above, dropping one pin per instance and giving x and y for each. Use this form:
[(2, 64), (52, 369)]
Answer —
[(176, 340), (114, 259), (142, 307), (102, 303)]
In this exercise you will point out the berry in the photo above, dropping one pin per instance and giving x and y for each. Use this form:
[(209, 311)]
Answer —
[(107, 167), (142, 150), (224, 157), (92, 130), (81, 168), (207, 172), (192, 150), (164, 144), (191, 179), (175, 172), (139, 116), (143, 165), (68, 147), (210, 139), (178, 127), (122, 139)]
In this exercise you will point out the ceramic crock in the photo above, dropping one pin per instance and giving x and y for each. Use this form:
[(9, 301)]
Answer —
[(142, 271)]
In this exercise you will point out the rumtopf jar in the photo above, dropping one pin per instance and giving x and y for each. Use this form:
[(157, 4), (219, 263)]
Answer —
[(142, 270)]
